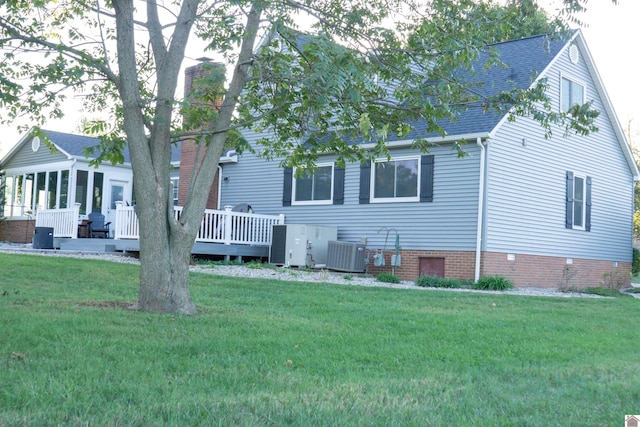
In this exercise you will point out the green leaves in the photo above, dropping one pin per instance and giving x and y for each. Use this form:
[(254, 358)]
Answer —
[(348, 80)]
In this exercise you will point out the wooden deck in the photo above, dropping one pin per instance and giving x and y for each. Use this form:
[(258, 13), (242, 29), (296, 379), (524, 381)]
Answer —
[(222, 233), (130, 245)]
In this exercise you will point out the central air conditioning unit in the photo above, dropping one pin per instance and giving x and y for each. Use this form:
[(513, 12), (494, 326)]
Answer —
[(346, 256), (301, 245)]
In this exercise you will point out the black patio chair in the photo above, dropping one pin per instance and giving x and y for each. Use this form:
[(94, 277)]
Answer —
[(97, 226)]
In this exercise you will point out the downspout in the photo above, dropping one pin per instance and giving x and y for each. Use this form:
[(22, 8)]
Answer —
[(480, 208)]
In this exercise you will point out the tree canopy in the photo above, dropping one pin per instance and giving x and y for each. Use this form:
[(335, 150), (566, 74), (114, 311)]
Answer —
[(368, 69)]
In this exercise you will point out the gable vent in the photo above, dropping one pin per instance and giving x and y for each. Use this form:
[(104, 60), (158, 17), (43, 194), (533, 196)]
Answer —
[(574, 54)]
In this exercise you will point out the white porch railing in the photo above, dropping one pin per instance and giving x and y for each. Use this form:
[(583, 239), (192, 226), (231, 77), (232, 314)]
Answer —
[(217, 226), (63, 221)]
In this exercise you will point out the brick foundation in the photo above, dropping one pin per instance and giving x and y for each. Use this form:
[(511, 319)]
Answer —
[(458, 264), (549, 272), (19, 230), (524, 270)]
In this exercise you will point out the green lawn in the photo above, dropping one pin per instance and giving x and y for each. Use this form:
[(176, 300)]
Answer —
[(275, 353)]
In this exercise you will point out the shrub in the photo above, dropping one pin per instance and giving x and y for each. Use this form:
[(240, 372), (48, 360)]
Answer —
[(439, 282), (568, 274), (635, 265), (493, 283), (387, 278), (615, 279)]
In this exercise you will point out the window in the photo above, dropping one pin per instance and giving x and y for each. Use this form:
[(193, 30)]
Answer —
[(82, 178), (572, 93), (64, 189), (174, 189), (578, 202), (396, 179), (96, 194), (41, 195), (325, 185), (408, 179), (313, 187), (52, 190), (38, 190)]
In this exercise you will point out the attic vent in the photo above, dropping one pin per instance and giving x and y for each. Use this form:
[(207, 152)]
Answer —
[(35, 144), (574, 54)]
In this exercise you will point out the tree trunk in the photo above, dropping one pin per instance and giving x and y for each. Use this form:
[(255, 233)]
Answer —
[(165, 254)]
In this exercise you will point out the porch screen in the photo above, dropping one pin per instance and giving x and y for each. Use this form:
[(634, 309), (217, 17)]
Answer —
[(81, 190)]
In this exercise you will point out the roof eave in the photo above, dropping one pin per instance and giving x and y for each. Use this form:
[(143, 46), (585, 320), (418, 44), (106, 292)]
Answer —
[(436, 140)]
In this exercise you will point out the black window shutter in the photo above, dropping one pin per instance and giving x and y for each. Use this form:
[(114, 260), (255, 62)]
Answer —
[(426, 178), (587, 214), (338, 186), (287, 186), (365, 182), (569, 201)]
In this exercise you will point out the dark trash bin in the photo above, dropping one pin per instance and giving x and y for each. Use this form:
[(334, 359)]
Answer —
[(43, 238)]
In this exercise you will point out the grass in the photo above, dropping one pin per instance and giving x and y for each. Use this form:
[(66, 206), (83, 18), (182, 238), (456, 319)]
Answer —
[(273, 353)]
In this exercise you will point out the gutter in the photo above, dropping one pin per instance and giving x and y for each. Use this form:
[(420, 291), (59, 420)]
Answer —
[(480, 207), (230, 157), (434, 140)]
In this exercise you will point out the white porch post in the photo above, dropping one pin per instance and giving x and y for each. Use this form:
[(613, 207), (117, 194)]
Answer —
[(227, 225)]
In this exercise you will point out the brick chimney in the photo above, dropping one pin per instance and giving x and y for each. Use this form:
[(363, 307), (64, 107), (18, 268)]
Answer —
[(188, 147)]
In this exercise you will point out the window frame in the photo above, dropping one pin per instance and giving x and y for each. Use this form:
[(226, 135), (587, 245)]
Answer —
[(175, 189), (583, 201), (586, 201), (329, 201), (17, 195), (572, 81), (372, 189)]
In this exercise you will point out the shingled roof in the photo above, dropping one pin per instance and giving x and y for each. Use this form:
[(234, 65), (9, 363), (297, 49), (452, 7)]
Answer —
[(521, 62), (74, 145)]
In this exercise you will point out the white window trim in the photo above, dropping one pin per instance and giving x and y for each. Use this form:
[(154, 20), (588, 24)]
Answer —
[(584, 201), (573, 80), (175, 189), (374, 199), (312, 202)]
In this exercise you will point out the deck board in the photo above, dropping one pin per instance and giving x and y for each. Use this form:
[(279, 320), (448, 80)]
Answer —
[(129, 245)]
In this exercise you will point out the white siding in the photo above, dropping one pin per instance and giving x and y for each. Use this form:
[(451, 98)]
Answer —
[(526, 185)]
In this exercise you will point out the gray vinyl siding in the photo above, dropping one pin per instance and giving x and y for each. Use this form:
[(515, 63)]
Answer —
[(25, 157), (447, 223), (526, 185)]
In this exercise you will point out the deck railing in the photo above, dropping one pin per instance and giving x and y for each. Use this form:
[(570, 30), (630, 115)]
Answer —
[(217, 226), (63, 221)]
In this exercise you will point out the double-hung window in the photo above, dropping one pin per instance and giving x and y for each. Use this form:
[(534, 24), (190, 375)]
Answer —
[(578, 202), (175, 185), (571, 93)]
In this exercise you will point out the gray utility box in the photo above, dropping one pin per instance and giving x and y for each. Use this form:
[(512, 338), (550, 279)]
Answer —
[(346, 256), (42, 238), (301, 245)]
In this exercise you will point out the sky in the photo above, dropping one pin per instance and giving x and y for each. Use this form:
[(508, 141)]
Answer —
[(611, 32)]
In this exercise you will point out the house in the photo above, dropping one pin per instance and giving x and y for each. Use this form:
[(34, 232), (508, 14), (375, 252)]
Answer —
[(38, 176), (57, 175), (538, 211)]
